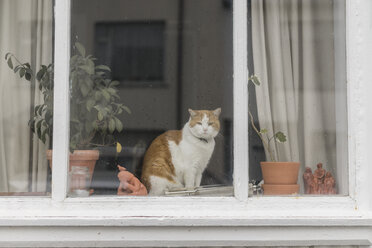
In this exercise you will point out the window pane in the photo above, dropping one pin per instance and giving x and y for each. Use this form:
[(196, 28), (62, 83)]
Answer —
[(164, 61), (297, 53), (26, 80)]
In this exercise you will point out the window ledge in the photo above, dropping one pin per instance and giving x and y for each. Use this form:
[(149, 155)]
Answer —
[(138, 221), (194, 211)]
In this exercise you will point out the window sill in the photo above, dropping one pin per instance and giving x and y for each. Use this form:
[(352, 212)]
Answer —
[(138, 221)]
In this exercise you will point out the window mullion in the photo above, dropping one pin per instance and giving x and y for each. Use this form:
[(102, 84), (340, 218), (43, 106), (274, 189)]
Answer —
[(61, 100), (240, 100)]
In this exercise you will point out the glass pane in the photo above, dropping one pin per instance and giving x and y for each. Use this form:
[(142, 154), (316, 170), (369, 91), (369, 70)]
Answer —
[(298, 111), (26, 87), (140, 69)]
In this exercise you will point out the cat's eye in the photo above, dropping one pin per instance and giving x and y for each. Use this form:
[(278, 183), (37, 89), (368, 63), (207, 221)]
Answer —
[(210, 123), (199, 123)]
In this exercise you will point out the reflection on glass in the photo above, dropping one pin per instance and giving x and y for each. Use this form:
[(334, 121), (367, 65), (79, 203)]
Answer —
[(298, 97), (26, 79), (158, 63)]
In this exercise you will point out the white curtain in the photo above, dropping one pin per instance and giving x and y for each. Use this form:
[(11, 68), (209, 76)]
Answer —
[(26, 31), (293, 55)]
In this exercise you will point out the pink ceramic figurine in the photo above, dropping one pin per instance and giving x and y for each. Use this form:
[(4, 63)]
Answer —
[(319, 182), (308, 180), (129, 184)]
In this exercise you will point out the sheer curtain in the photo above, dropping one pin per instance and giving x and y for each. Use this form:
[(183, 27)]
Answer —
[(26, 31), (293, 55)]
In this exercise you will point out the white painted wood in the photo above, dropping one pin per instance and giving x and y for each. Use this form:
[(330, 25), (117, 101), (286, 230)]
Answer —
[(359, 52), (352, 92), (342, 171), (215, 209), (61, 100), (241, 160), (175, 237)]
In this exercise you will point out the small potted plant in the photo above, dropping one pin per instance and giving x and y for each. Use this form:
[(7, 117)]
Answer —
[(94, 101), (280, 178)]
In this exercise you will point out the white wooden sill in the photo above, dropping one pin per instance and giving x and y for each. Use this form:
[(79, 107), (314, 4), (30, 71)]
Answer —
[(141, 221)]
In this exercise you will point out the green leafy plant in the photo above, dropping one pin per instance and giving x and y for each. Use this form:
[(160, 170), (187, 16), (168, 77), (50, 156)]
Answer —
[(94, 100), (263, 132)]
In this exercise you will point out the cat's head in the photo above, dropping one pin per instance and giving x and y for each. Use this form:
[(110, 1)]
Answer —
[(204, 123)]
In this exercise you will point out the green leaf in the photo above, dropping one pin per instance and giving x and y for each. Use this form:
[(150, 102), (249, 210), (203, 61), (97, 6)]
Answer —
[(28, 70), (280, 137), (94, 125), (28, 76), (263, 131), (127, 109), (90, 104), (106, 95), (38, 129), (111, 90), (111, 125), (10, 63), (103, 67), (100, 73), (97, 96), (254, 79), (80, 48), (118, 124), (100, 116), (91, 66), (114, 83), (22, 72), (38, 124), (31, 123), (84, 89), (40, 111), (87, 69), (17, 68), (40, 74), (36, 109), (43, 138), (7, 55), (89, 82)]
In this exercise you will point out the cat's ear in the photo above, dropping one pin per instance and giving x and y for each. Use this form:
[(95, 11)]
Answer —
[(217, 112), (192, 112)]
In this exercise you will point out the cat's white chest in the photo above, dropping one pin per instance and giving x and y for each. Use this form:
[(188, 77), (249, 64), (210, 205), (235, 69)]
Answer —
[(190, 156)]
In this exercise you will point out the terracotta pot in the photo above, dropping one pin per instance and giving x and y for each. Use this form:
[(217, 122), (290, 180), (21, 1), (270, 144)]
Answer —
[(86, 158), (280, 172), (280, 189)]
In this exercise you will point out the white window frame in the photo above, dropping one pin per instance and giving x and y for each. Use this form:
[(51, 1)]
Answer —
[(209, 221)]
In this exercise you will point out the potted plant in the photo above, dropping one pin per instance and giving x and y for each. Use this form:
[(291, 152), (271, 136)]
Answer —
[(94, 101), (280, 178)]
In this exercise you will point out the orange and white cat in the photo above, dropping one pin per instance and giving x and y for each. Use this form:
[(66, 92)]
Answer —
[(176, 159)]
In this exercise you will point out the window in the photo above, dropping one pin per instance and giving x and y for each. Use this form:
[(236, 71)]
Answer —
[(173, 46), (204, 221), (298, 52), (134, 51), (26, 87)]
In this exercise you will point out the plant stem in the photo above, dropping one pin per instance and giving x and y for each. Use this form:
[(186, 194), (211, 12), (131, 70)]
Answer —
[(265, 144), (19, 63)]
